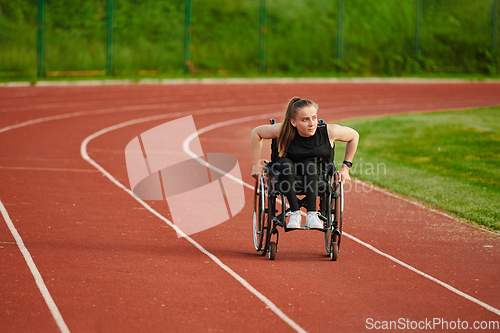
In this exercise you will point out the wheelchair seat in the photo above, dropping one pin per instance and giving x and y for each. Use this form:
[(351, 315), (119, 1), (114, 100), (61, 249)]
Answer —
[(324, 179)]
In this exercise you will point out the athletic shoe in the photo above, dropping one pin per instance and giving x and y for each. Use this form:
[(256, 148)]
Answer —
[(313, 221), (295, 221)]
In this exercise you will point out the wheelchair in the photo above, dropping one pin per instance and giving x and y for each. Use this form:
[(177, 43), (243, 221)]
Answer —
[(270, 208)]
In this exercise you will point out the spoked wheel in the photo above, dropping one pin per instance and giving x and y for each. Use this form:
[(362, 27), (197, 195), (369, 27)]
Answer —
[(261, 225), (258, 214), (273, 248)]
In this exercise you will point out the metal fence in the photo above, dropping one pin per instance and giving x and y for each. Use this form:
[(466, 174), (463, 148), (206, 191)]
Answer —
[(357, 36)]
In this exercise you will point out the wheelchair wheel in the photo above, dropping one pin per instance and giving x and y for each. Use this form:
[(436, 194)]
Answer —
[(335, 232), (268, 224), (258, 215), (334, 248), (339, 213), (272, 250), (260, 229), (261, 219), (328, 212)]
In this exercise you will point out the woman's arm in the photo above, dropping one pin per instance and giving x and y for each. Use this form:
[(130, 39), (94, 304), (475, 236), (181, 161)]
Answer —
[(344, 134), (258, 134)]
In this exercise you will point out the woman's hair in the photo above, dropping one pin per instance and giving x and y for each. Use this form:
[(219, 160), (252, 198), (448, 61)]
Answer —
[(287, 131)]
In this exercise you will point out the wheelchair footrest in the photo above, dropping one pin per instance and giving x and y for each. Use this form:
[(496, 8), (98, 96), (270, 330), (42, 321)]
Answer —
[(305, 228)]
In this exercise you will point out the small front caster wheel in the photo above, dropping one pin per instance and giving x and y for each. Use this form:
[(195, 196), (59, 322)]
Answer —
[(272, 250)]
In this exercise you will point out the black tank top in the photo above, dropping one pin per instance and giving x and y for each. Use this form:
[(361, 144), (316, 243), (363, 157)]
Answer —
[(313, 148)]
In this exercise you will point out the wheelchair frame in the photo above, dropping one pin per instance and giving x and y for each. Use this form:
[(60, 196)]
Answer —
[(267, 218)]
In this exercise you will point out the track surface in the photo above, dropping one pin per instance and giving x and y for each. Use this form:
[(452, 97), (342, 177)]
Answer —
[(110, 265)]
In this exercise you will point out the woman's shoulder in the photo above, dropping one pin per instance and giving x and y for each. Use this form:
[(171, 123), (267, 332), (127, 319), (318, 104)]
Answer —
[(341, 133), (268, 131), (332, 129)]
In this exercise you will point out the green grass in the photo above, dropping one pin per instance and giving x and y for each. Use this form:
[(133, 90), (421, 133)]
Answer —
[(379, 37), (450, 160)]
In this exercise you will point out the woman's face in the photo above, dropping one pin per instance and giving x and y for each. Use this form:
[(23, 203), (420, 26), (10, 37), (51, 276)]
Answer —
[(306, 121)]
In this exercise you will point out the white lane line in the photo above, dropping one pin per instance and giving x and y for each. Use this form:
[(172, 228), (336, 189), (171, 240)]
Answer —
[(36, 274), (46, 169), (43, 119), (136, 108), (145, 103), (248, 286), (192, 136), (34, 271), (441, 283), (75, 114)]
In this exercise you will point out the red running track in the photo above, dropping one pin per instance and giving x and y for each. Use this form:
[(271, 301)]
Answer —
[(110, 265)]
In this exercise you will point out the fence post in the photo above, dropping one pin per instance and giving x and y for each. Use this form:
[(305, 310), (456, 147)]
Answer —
[(340, 35), (110, 39), (494, 26), (262, 36), (417, 47), (41, 38), (187, 35)]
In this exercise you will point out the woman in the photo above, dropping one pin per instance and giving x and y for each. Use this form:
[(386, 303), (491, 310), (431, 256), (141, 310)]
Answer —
[(305, 148)]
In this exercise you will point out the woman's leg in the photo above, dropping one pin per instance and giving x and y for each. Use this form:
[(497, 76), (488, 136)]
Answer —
[(310, 171), (287, 181), (311, 177)]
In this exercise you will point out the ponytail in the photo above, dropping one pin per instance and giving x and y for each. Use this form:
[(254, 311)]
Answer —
[(288, 131)]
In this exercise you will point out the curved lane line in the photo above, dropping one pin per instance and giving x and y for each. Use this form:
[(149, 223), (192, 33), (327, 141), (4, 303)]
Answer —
[(34, 271), (104, 111), (441, 283), (19, 241), (187, 141), (129, 109), (248, 286)]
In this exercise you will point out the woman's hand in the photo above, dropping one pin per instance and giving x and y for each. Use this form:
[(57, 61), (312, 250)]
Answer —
[(344, 134), (257, 171), (344, 174)]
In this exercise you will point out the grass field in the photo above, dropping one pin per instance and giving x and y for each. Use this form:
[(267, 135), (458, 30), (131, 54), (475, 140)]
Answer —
[(450, 160), (378, 37)]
